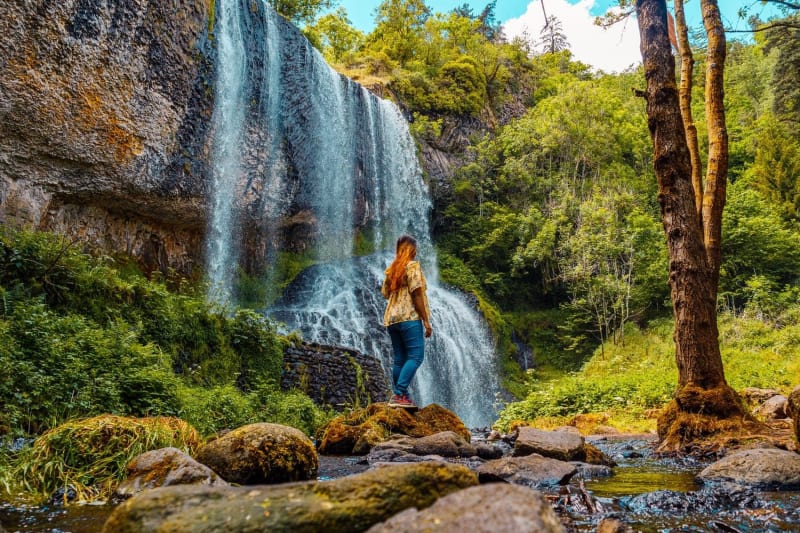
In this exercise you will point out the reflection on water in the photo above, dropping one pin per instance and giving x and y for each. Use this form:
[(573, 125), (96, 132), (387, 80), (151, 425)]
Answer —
[(73, 518), (647, 476)]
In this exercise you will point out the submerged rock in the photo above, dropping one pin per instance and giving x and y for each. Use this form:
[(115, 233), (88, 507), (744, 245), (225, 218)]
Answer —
[(763, 468), (444, 443), (482, 509), (261, 453), (358, 432), (530, 471), (710, 499), (351, 503), (164, 468)]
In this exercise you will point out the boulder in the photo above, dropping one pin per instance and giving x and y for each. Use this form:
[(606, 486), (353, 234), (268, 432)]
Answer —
[(613, 525), (793, 410), (488, 451), (756, 396), (763, 468), (482, 509), (358, 432), (772, 409), (261, 453), (590, 471), (351, 503), (562, 445), (444, 443), (530, 471), (163, 468)]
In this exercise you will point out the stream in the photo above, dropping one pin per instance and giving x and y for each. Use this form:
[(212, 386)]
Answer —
[(651, 495)]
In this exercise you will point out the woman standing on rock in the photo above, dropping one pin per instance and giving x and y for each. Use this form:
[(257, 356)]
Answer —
[(407, 313)]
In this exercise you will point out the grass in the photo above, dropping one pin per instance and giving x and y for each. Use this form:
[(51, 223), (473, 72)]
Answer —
[(624, 383), (89, 456)]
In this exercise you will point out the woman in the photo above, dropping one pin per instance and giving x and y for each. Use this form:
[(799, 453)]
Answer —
[(407, 313)]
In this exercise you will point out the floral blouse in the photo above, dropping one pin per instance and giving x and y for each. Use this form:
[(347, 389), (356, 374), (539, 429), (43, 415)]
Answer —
[(400, 307)]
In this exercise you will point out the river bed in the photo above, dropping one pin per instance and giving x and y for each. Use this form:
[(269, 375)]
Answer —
[(651, 495)]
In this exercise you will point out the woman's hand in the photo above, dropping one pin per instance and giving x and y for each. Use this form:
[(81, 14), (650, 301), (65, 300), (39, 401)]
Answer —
[(428, 329)]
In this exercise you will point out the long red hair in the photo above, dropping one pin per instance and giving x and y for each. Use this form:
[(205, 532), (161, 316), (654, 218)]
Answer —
[(406, 252)]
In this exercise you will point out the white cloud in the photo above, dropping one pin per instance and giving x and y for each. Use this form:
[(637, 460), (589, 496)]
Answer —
[(611, 50)]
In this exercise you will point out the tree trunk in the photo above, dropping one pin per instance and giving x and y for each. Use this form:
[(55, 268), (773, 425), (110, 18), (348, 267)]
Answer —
[(687, 68), (703, 400), (717, 173)]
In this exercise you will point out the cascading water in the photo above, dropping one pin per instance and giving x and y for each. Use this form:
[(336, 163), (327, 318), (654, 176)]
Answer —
[(227, 126), (303, 142)]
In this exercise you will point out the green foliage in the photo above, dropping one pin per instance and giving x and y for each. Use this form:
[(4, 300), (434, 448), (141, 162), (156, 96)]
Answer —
[(301, 11), (211, 410), (640, 373), (56, 367), (776, 168), (335, 36), (77, 338), (750, 219), (90, 456), (255, 340)]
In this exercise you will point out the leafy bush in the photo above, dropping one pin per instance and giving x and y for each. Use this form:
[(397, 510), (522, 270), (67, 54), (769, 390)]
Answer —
[(226, 407), (55, 367), (213, 409)]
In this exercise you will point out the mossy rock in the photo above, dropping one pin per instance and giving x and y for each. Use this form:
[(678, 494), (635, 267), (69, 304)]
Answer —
[(357, 432), (163, 468), (261, 454), (348, 504)]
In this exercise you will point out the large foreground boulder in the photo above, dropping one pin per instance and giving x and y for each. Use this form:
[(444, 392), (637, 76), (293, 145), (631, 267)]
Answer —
[(163, 468), (357, 432), (763, 468), (261, 453), (352, 503), (482, 509), (532, 471)]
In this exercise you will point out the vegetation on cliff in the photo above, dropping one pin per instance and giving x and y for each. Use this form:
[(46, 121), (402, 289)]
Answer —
[(81, 336)]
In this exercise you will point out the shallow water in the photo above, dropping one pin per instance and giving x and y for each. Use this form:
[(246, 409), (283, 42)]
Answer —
[(661, 495), (637, 474)]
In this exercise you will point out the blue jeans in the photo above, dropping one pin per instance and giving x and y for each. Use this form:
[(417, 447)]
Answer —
[(408, 344)]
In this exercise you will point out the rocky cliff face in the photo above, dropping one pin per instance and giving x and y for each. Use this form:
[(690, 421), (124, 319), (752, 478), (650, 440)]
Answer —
[(104, 110)]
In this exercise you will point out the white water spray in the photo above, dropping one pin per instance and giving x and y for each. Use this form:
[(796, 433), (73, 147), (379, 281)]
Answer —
[(316, 145)]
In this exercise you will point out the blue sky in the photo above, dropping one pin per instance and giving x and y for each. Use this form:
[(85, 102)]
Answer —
[(610, 50)]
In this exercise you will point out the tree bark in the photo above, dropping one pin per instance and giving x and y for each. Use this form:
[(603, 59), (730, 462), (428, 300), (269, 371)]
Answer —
[(685, 92), (717, 173), (703, 396)]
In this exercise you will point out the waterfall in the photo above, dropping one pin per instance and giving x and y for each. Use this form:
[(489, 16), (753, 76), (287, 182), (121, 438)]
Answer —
[(297, 143)]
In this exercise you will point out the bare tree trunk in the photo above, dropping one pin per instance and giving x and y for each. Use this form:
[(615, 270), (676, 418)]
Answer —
[(717, 173), (703, 397), (687, 68)]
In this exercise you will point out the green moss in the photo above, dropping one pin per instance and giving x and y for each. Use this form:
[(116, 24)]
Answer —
[(360, 394), (212, 8)]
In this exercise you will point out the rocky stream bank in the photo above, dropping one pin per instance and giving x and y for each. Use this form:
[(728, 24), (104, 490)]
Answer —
[(380, 469)]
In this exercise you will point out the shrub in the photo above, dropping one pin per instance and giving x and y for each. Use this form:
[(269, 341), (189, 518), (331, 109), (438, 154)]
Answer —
[(56, 367)]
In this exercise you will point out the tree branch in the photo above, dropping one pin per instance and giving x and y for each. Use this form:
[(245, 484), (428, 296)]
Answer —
[(770, 26)]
